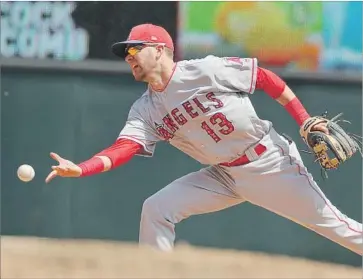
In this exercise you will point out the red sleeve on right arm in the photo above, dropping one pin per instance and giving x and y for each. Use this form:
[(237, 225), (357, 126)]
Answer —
[(121, 151)]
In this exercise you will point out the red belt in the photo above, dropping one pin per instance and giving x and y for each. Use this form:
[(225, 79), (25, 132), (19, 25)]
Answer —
[(259, 149)]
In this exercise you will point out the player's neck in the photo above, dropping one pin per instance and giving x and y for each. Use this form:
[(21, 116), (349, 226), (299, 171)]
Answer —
[(162, 78)]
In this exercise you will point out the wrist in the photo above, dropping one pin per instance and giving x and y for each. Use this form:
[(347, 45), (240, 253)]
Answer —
[(92, 166), (80, 171), (297, 111)]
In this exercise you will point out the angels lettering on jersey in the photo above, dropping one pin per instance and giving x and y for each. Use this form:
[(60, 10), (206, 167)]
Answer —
[(194, 108), (176, 119)]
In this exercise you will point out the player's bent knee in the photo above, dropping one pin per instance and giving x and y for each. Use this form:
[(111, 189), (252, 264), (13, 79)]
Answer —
[(154, 208), (150, 207)]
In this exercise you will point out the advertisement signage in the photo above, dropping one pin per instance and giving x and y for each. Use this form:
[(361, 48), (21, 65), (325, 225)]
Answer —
[(295, 35), (69, 30)]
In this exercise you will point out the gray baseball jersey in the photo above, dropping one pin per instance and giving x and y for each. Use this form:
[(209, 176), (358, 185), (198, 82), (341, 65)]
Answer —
[(204, 111)]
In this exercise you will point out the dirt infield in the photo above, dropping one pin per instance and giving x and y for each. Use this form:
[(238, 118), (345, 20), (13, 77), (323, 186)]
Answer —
[(48, 258)]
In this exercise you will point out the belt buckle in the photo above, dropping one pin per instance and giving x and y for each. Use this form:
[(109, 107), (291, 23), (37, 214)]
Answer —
[(252, 153)]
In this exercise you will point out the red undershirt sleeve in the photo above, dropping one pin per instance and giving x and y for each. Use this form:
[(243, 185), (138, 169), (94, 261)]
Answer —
[(269, 82), (119, 153), (274, 86)]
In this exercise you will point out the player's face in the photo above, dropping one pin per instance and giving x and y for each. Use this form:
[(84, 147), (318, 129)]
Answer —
[(143, 60)]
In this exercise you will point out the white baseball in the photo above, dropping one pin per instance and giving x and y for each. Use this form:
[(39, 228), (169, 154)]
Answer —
[(26, 173)]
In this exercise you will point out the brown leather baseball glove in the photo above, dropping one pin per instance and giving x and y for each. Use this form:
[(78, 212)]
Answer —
[(330, 149)]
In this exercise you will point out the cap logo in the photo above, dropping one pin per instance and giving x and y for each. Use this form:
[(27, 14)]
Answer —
[(154, 38)]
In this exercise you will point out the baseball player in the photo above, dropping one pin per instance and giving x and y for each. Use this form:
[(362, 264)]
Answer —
[(202, 107)]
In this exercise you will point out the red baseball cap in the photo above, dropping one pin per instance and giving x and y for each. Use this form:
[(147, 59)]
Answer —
[(144, 33)]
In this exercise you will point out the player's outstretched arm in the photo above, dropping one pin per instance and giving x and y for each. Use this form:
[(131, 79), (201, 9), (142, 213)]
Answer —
[(277, 89), (117, 154)]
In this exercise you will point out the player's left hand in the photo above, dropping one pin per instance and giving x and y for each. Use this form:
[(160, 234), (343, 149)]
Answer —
[(321, 127)]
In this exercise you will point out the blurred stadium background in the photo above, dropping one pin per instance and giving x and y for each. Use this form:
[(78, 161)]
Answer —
[(62, 90)]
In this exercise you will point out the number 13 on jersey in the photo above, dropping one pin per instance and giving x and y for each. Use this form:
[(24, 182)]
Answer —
[(220, 120)]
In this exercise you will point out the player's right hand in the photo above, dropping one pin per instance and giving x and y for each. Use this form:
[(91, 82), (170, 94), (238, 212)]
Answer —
[(65, 168)]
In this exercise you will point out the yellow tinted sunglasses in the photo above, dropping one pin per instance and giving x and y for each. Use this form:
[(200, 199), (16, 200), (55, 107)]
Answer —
[(133, 49)]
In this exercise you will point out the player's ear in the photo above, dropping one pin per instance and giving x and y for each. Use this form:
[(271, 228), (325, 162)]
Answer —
[(159, 51)]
